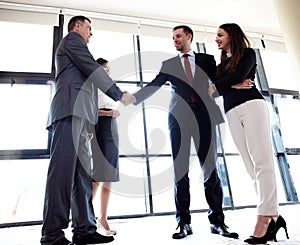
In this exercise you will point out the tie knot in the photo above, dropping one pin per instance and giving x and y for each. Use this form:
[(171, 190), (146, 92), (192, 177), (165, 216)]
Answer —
[(186, 55)]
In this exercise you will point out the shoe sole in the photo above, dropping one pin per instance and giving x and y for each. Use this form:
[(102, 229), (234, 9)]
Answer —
[(177, 238), (217, 233)]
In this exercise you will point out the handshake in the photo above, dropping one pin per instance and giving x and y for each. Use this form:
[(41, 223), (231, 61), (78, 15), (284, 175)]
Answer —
[(127, 98)]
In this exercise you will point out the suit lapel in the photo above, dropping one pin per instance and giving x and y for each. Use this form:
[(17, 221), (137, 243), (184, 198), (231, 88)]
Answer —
[(197, 66), (179, 70)]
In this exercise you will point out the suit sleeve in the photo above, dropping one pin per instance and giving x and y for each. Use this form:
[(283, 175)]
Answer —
[(151, 87), (78, 52)]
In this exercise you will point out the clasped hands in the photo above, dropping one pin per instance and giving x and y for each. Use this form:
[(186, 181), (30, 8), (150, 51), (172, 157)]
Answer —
[(127, 98), (246, 84)]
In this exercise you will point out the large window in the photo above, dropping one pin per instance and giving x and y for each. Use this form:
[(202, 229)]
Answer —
[(146, 168), (278, 70), (26, 48), (24, 110), (289, 121), (22, 190)]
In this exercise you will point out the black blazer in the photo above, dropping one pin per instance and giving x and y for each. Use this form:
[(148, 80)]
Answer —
[(173, 71)]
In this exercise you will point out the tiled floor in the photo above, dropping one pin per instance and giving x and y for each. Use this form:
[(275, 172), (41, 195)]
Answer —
[(159, 229)]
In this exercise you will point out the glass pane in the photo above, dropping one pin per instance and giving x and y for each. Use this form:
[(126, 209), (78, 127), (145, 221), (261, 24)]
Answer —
[(294, 163), (28, 48), (241, 183), (162, 174), (280, 189), (165, 45), (129, 195), (157, 110), (162, 179), (154, 51), (118, 49), (24, 111), (130, 126), (288, 110), (278, 70), (22, 189)]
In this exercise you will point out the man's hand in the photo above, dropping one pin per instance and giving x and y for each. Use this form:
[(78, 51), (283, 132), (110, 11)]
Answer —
[(246, 84), (127, 98), (211, 90)]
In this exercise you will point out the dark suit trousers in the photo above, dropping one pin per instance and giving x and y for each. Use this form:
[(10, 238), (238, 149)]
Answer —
[(204, 137), (69, 182)]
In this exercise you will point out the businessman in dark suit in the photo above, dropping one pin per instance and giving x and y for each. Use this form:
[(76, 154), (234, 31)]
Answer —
[(192, 114), (73, 109)]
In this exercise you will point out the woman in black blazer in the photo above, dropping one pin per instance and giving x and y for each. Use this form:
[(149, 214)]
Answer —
[(248, 119)]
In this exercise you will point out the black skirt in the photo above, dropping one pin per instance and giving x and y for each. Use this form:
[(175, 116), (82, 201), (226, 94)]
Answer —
[(105, 150)]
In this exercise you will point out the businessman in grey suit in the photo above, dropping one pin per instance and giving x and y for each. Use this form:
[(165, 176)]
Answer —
[(73, 109), (192, 115)]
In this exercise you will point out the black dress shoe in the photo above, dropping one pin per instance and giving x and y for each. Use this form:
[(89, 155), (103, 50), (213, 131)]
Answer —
[(63, 241), (184, 231), (94, 238), (222, 230)]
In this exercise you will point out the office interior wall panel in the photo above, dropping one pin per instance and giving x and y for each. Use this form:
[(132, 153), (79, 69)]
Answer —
[(28, 17)]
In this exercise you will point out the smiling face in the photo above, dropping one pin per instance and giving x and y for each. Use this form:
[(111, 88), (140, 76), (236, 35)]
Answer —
[(182, 41), (223, 40), (84, 29), (106, 68)]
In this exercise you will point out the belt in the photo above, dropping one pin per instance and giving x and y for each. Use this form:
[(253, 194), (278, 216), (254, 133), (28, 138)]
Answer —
[(105, 109)]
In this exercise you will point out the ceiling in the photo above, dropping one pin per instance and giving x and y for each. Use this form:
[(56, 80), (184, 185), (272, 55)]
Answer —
[(257, 16)]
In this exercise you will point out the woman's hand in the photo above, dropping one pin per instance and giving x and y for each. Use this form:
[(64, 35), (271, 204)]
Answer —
[(115, 113), (211, 90), (111, 113), (246, 84)]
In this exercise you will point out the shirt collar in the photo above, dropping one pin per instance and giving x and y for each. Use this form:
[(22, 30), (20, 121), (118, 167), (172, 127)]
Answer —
[(228, 55), (190, 53)]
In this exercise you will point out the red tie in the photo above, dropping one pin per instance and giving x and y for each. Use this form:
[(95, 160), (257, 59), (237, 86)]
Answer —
[(188, 72)]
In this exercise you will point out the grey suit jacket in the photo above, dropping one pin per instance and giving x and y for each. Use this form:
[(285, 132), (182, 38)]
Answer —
[(78, 76)]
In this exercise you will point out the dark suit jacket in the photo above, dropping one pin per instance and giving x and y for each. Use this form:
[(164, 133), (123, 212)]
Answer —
[(78, 76), (172, 71)]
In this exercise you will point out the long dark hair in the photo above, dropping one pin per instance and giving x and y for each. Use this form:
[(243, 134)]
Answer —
[(238, 43)]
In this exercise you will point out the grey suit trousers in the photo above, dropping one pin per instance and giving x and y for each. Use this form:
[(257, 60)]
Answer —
[(70, 171)]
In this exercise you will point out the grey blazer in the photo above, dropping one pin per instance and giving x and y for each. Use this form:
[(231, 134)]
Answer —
[(77, 78)]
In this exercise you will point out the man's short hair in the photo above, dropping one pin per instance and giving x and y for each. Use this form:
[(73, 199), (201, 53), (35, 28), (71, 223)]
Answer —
[(75, 19), (186, 29)]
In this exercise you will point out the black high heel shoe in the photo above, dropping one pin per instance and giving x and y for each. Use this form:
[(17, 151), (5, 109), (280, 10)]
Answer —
[(264, 239), (280, 223)]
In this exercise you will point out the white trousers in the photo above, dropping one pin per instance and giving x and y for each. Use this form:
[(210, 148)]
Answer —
[(249, 125)]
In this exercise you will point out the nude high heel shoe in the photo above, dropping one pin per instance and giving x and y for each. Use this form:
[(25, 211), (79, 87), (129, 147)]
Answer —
[(107, 232)]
